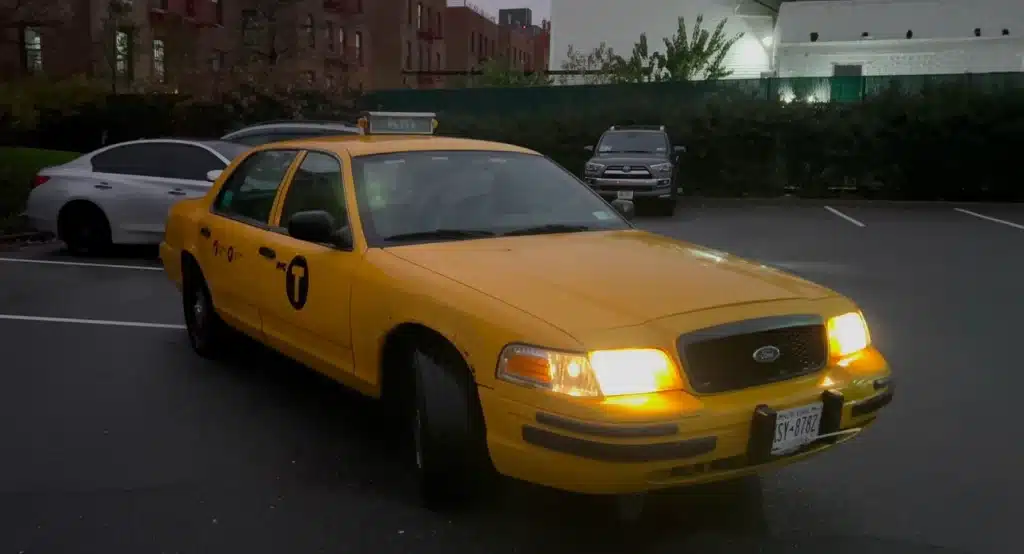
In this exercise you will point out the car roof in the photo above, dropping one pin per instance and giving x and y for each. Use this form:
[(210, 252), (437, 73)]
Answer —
[(272, 125), (368, 145)]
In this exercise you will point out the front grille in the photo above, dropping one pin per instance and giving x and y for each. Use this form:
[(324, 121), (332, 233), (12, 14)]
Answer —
[(720, 359), (619, 172)]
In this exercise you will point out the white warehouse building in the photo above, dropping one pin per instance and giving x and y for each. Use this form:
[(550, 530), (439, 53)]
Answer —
[(812, 38), (585, 24)]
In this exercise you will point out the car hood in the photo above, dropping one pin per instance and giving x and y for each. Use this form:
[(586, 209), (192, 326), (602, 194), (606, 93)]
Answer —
[(600, 280), (626, 159)]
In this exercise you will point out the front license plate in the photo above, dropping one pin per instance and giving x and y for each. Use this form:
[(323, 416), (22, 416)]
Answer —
[(796, 427), (625, 195)]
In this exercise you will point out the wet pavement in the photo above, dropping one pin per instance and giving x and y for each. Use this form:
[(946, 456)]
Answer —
[(117, 438)]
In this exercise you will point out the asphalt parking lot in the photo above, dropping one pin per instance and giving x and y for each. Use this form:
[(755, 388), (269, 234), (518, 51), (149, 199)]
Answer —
[(117, 438)]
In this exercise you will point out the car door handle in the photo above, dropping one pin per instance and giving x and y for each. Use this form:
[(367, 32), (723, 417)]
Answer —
[(103, 186), (177, 192), (205, 231), (267, 253)]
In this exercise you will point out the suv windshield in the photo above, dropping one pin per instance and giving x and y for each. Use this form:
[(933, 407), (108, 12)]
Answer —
[(639, 142), (457, 195)]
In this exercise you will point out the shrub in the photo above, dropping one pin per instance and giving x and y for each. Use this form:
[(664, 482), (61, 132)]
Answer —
[(17, 168)]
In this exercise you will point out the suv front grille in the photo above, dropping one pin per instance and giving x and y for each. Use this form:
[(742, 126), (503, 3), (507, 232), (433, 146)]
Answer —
[(719, 359), (619, 172)]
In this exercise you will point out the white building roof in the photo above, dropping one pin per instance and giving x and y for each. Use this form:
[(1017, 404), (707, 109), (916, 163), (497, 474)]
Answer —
[(846, 20)]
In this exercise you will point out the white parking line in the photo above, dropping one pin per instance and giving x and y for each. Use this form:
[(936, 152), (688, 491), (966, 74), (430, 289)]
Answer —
[(81, 264), (102, 322), (992, 219), (844, 216)]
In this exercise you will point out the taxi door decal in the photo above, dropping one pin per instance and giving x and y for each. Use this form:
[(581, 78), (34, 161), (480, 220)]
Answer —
[(296, 281)]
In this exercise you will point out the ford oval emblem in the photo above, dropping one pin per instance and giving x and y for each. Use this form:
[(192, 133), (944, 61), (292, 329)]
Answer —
[(767, 354)]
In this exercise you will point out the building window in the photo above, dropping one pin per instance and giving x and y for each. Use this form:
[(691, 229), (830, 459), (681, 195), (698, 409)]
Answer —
[(32, 49), (123, 57), (190, 8), (310, 77), (419, 15), (329, 25), (342, 39), (309, 28), (159, 72), (217, 62), (437, 27), (359, 48), (408, 12), (330, 82), (408, 54), (219, 7), (472, 41), (439, 61)]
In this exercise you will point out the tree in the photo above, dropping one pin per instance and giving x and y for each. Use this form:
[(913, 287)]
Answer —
[(596, 67), (498, 73), (39, 13), (695, 55), (116, 45), (641, 67)]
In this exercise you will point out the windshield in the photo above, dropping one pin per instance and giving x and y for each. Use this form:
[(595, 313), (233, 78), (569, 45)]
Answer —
[(229, 150), (639, 142), (453, 195)]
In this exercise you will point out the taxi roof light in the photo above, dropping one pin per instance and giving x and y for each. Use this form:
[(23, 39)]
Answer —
[(398, 123)]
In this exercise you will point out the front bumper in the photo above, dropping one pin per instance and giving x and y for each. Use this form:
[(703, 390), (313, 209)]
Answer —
[(640, 188), (601, 458)]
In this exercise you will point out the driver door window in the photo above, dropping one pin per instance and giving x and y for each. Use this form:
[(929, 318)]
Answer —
[(316, 185), (250, 190)]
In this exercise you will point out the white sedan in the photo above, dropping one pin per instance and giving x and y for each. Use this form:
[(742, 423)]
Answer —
[(120, 194)]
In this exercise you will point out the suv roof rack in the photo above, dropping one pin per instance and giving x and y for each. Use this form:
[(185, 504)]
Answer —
[(637, 128)]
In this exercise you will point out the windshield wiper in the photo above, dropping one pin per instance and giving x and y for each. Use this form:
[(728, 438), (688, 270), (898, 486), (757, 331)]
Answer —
[(546, 229), (443, 234)]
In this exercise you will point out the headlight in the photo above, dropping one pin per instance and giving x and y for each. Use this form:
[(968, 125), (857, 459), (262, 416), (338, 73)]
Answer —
[(595, 374), (593, 167), (661, 168), (847, 334)]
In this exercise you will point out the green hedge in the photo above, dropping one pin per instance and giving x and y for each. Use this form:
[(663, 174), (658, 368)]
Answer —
[(942, 144), (17, 168)]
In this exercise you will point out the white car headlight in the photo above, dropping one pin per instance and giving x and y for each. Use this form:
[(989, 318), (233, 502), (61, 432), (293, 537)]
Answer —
[(592, 167), (661, 168), (594, 374), (847, 334)]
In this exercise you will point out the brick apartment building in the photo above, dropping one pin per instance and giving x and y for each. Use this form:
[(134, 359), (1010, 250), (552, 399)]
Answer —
[(192, 44)]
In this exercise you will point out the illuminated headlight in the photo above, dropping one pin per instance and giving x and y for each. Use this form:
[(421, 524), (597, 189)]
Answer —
[(592, 167), (847, 334), (594, 374), (661, 168)]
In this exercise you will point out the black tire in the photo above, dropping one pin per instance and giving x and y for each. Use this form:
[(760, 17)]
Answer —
[(207, 332), (84, 228), (452, 465)]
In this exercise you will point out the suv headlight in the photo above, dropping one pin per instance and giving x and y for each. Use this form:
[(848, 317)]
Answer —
[(593, 374), (592, 167), (661, 168), (847, 334)]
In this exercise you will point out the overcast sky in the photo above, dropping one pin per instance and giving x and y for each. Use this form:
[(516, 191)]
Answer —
[(541, 8)]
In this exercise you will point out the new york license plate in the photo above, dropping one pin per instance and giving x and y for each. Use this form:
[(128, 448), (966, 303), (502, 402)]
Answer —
[(796, 427)]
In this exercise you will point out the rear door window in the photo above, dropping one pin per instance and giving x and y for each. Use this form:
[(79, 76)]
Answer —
[(131, 159), (249, 191)]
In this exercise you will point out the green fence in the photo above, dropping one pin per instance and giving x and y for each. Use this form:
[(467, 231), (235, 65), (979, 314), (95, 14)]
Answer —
[(541, 101)]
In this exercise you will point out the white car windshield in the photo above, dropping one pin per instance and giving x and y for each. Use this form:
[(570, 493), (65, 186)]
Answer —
[(453, 195)]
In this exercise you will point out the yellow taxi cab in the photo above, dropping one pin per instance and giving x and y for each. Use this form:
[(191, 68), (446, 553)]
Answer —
[(516, 320)]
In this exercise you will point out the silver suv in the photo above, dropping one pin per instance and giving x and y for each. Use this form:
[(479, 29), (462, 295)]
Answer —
[(635, 162)]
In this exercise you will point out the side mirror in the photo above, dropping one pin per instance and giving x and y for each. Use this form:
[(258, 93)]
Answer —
[(625, 207), (213, 174), (318, 226), (589, 148)]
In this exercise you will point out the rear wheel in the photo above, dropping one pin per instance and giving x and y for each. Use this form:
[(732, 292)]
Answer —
[(448, 438), (207, 332), (84, 228)]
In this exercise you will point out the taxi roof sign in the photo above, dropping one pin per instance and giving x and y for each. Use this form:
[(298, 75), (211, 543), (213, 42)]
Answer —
[(398, 123)]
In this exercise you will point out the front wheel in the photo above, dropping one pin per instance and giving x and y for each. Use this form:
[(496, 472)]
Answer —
[(449, 444)]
